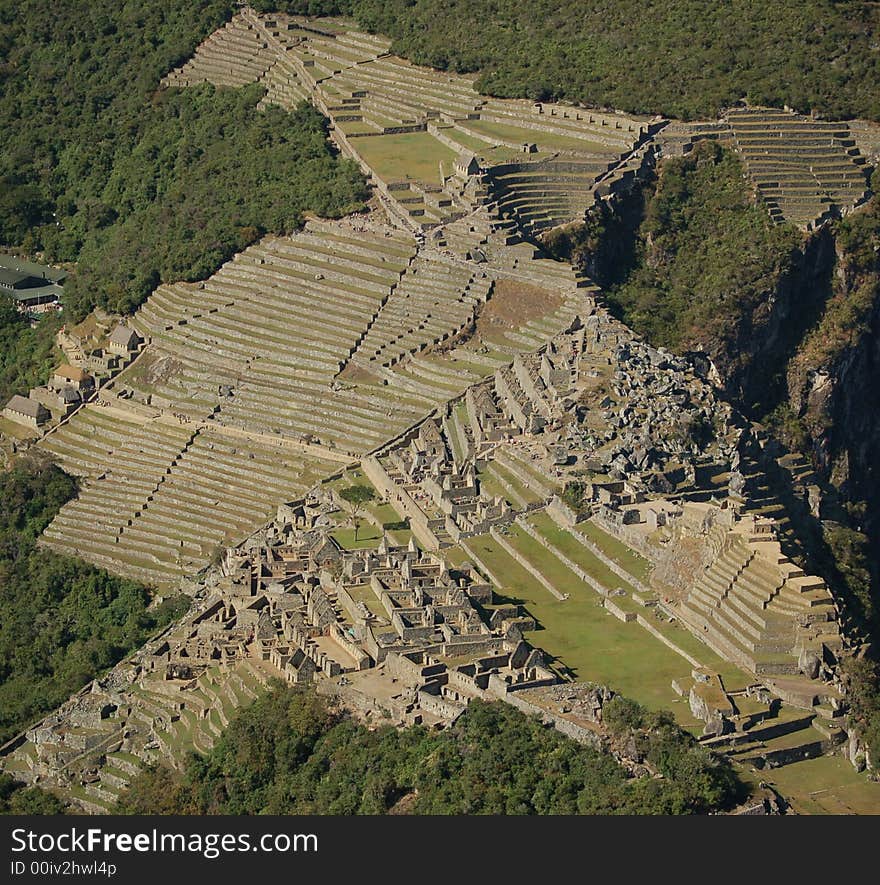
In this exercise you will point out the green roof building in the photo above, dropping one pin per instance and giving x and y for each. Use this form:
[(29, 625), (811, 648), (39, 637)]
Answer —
[(33, 286)]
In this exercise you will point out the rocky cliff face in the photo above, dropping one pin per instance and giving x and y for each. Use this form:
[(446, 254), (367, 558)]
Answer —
[(833, 386), (751, 357), (807, 359)]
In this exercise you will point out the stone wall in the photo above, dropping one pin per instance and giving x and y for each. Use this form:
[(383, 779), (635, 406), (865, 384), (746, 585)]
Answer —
[(571, 729), (400, 499)]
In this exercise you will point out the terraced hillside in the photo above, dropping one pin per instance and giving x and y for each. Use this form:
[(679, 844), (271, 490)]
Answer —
[(804, 169), (232, 56), (408, 127), (298, 356), (259, 344), (158, 498), (416, 131), (754, 606), (154, 722)]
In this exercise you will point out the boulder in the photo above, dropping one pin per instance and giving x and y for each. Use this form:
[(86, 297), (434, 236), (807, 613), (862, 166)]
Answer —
[(809, 663)]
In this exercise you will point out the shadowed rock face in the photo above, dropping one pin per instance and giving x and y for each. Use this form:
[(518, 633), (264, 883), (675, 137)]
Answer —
[(839, 404), (788, 352)]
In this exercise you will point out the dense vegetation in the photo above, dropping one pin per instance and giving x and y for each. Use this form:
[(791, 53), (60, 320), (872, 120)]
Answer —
[(16, 798), (61, 620), (863, 693), (847, 327), (135, 184), (27, 353), (289, 754), (682, 58), (705, 258), (207, 178)]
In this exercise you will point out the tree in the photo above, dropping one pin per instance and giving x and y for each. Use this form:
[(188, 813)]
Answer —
[(289, 753), (18, 799), (356, 497)]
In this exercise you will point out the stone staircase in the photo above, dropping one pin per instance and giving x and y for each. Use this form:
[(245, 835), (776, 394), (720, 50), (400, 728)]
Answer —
[(755, 607)]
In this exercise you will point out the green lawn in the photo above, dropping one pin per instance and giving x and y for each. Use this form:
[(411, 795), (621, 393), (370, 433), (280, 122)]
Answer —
[(490, 485), (356, 127), (577, 552), (484, 149), (385, 513), (733, 677), (544, 140), (522, 462), (624, 556), (505, 478), (827, 785), (17, 431), (552, 568), (411, 155), (364, 593), (592, 643), (368, 536)]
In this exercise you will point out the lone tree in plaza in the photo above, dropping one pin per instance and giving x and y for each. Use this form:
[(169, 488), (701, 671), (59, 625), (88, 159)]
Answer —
[(356, 497)]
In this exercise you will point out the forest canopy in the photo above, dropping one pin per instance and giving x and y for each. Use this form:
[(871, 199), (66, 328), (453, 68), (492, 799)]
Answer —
[(288, 753), (704, 256), (135, 184), (27, 352)]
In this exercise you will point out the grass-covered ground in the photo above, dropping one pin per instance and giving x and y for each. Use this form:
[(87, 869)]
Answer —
[(589, 641), (826, 785), (546, 141), (368, 536), (410, 155), (624, 556)]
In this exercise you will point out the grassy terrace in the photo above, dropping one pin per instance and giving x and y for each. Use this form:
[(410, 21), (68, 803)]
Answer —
[(544, 140), (455, 556), (506, 482), (393, 261), (413, 155), (17, 431), (576, 552), (523, 462), (363, 593), (827, 785), (733, 677), (459, 418), (584, 637), (483, 148), (490, 485), (385, 513), (624, 556)]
